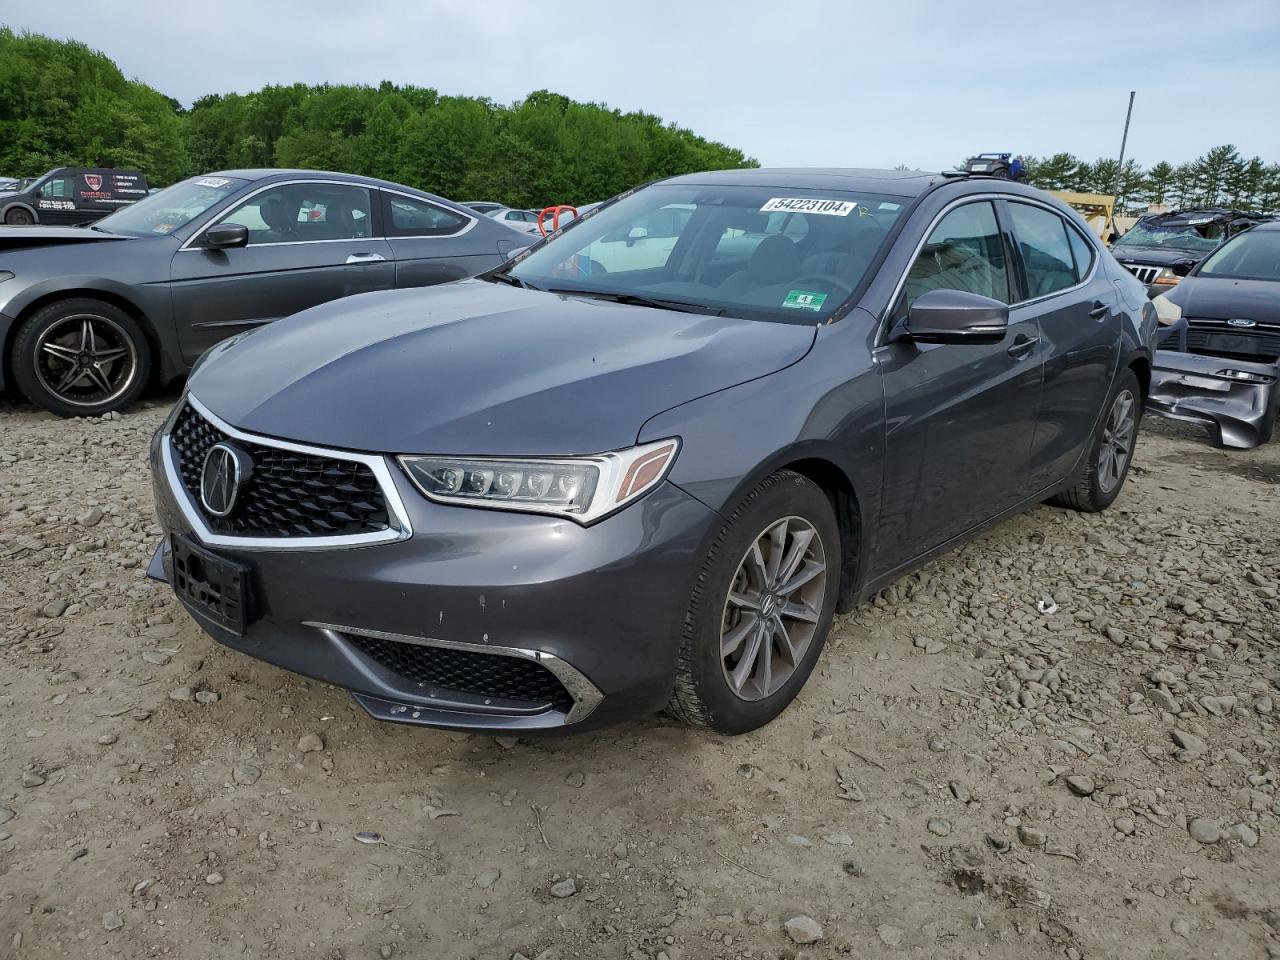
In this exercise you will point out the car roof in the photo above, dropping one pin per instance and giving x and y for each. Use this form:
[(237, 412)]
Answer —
[(272, 173), (903, 183)]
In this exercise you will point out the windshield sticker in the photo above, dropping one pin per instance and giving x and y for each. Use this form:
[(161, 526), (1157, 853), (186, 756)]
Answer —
[(804, 300), (830, 208), (212, 182)]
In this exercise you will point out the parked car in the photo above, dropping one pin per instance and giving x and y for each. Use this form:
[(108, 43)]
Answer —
[(1160, 249), (524, 220), (484, 206), (88, 317), (67, 196), (1219, 357), (581, 496)]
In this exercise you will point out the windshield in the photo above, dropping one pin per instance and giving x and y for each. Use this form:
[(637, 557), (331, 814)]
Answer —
[(1197, 238), (769, 253), (1254, 255), (162, 213)]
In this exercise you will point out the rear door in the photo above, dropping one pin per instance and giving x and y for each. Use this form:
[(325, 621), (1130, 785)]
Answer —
[(959, 417), (1073, 302), (435, 244), (309, 242)]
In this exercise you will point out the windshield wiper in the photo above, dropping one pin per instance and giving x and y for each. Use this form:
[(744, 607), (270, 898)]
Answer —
[(502, 276), (638, 300)]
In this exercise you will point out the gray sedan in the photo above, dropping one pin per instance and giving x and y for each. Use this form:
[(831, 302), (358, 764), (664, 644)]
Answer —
[(89, 316), (597, 481)]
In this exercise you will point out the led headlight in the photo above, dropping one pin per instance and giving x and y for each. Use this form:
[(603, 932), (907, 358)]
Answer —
[(581, 488)]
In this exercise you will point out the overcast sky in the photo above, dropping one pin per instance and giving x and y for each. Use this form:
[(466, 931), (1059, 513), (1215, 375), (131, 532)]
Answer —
[(791, 83)]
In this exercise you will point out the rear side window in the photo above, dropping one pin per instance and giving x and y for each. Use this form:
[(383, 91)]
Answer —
[(1082, 250), (1046, 249), (411, 217), (964, 252)]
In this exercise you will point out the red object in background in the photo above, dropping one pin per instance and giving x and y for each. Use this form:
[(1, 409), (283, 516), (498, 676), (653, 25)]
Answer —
[(555, 217)]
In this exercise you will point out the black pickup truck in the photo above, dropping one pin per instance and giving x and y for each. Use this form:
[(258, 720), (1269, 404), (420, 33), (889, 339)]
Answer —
[(67, 196)]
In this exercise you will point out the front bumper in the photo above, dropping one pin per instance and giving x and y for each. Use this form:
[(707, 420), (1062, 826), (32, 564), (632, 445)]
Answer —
[(599, 607), (1191, 387)]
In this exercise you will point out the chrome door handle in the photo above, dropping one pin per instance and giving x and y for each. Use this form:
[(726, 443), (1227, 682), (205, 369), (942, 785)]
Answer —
[(366, 258), (1022, 347)]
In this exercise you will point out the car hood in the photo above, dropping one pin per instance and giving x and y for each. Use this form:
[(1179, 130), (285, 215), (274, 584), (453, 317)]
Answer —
[(1221, 298), (1154, 257), (18, 238), (484, 369)]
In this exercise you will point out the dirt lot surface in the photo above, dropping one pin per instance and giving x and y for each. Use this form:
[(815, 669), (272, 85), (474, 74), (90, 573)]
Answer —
[(964, 776)]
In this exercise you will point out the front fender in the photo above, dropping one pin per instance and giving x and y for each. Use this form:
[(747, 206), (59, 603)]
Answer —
[(22, 206)]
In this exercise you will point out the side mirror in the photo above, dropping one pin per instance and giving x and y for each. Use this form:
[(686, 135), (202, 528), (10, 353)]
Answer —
[(956, 316), (224, 235), (636, 233)]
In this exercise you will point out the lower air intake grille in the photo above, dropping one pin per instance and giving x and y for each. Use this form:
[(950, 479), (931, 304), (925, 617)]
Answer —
[(464, 671)]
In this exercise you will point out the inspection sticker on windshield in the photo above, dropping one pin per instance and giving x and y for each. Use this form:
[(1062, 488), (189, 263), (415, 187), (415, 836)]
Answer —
[(830, 208), (212, 182), (804, 300)]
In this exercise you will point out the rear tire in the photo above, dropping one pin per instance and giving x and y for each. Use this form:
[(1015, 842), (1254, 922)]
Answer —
[(769, 581), (81, 358), (19, 217), (1111, 453)]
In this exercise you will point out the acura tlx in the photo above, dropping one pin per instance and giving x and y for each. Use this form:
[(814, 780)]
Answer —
[(644, 464)]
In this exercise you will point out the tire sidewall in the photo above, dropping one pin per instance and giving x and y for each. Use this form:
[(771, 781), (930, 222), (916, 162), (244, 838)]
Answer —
[(1101, 498), (781, 495), (22, 358), (19, 217)]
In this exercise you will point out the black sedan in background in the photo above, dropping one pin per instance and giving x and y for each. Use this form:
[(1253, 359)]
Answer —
[(89, 316), (1219, 356), (614, 477)]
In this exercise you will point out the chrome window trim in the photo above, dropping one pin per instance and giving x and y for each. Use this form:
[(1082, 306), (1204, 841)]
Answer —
[(471, 220), (971, 198), (216, 218), (400, 529), (586, 695)]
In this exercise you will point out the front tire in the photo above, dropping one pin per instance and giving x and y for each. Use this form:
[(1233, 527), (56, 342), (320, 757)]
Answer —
[(1097, 487), (81, 358), (761, 608), (19, 217)]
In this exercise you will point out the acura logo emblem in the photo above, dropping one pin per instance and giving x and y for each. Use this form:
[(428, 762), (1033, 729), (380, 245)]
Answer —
[(1241, 322), (225, 468)]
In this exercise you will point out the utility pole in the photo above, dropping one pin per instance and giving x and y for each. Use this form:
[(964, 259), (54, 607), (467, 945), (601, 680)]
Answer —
[(1123, 142)]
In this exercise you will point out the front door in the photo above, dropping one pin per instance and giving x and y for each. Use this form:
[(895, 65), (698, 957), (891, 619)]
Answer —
[(959, 417), (57, 204), (309, 242)]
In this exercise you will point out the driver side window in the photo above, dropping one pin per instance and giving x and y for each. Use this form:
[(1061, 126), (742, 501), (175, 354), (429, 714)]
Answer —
[(299, 212), (965, 252)]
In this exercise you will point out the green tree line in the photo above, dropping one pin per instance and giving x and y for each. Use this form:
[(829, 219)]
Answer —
[(64, 104), (1219, 178)]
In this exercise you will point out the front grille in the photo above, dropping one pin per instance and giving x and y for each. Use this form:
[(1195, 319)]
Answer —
[(286, 494), (1257, 344), (443, 669), (1146, 274)]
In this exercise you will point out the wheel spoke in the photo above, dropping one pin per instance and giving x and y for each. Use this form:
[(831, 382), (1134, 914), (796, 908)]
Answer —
[(800, 541), (99, 379), (69, 379), (757, 561), (109, 354), (799, 611), (777, 544), (784, 642), (749, 657), (810, 570), (59, 351), (744, 601), (731, 641), (86, 336), (764, 675)]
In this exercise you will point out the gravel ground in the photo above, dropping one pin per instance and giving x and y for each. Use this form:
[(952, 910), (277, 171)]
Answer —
[(965, 775)]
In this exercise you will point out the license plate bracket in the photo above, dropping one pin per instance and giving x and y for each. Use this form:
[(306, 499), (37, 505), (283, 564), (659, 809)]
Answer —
[(1233, 343), (211, 587)]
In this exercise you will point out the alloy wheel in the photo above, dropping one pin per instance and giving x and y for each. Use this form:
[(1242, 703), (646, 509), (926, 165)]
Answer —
[(1117, 441), (771, 614), (86, 360)]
